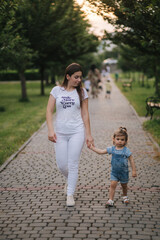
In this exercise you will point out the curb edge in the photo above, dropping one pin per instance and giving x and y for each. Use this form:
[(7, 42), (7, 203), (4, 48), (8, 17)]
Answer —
[(14, 155)]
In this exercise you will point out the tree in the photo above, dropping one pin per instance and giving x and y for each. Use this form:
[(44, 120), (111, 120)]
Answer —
[(14, 48), (57, 31), (137, 25)]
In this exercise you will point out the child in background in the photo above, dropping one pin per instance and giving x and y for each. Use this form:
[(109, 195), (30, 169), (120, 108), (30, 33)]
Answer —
[(87, 84), (108, 88), (120, 156)]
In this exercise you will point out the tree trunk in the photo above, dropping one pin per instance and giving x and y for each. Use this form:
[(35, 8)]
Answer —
[(42, 80), (139, 77), (47, 79), (52, 80), (23, 86)]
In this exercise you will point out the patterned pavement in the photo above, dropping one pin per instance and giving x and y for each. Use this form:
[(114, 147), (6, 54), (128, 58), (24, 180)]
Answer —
[(32, 202)]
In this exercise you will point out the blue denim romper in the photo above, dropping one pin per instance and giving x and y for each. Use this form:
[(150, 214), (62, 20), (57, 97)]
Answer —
[(119, 163)]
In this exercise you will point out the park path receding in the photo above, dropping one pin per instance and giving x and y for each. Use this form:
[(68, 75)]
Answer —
[(32, 202)]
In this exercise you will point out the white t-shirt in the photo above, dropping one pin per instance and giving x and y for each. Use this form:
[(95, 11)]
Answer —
[(87, 84), (68, 110), (108, 69)]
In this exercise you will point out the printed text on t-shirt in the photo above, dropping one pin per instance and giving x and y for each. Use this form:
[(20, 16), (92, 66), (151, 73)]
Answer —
[(67, 102)]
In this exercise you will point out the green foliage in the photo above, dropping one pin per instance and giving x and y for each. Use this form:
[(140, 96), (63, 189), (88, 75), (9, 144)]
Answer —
[(138, 95), (11, 75), (20, 119), (2, 109), (15, 51), (48, 34), (153, 126), (114, 53), (57, 31), (136, 25), (14, 47)]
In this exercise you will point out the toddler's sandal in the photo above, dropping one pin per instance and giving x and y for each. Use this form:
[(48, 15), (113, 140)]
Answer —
[(125, 200)]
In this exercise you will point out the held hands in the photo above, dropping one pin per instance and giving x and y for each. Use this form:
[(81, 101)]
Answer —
[(52, 137), (89, 141), (91, 146)]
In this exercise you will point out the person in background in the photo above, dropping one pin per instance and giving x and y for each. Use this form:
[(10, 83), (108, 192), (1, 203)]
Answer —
[(72, 126), (87, 84), (116, 76), (108, 71), (94, 76), (108, 88)]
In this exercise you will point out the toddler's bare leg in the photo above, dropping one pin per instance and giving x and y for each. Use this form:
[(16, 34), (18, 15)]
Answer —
[(124, 188), (112, 189)]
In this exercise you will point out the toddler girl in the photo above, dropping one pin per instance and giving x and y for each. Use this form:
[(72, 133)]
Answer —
[(120, 156)]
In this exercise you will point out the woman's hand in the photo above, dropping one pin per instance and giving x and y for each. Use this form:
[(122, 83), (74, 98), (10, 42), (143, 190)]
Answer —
[(52, 137), (89, 141)]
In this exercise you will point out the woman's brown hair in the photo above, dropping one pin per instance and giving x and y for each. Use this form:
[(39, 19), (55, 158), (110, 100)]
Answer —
[(70, 70)]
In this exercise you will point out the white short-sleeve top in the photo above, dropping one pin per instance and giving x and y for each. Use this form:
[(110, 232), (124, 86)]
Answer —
[(68, 110)]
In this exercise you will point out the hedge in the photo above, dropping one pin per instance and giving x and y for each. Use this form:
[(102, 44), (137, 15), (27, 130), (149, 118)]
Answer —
[(13, 75)]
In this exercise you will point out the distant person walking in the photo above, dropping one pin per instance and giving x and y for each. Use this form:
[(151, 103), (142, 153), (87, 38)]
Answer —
[(116, 76), (94, 76), (120, 156), (72, 126), (108, 88), (108, 70)]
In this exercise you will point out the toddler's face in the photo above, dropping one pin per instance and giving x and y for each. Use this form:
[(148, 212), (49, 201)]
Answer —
[(120, 141)]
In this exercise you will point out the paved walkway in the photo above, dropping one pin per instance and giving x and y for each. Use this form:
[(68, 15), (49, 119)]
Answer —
[(32, 203)]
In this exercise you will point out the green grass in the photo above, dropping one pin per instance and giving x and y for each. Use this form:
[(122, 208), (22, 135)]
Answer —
[(137, 97), (153, 127), (19, 120)]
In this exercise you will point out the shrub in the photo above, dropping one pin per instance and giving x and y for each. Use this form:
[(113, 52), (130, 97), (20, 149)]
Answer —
[(12, 75)]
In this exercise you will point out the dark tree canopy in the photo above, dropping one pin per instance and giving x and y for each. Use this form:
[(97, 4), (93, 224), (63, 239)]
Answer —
[(45, 33)]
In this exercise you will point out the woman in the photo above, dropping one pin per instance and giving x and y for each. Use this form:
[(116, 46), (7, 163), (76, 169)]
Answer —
[(72, 125), (94, 76)]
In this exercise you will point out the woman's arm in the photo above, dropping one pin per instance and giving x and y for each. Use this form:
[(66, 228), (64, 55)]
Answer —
[(49, 118), (133, 166), (86, 120)]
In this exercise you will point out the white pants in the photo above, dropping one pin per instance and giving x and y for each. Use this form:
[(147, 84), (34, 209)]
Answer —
[(68, 150)]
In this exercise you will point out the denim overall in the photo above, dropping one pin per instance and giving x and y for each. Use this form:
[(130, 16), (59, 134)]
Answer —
[(119, 163)]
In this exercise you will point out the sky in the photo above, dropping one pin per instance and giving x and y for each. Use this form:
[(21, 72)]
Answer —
[(97, 22)]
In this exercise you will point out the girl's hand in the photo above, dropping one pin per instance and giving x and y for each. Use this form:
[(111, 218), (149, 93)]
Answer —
[(134, 174), (91, 147), (89, 141), (52, 137)]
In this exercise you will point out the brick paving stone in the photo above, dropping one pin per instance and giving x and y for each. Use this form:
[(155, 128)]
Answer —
[(32, 202)]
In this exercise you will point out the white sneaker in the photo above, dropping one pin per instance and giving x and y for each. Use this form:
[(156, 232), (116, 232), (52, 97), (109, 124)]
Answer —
[(110, 203), (70, 201)]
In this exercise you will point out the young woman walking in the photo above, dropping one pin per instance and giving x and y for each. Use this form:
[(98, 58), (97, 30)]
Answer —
[(72, 125)]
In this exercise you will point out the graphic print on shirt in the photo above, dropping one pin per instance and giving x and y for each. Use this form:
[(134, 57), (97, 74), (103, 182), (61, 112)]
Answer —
[(67, 102)]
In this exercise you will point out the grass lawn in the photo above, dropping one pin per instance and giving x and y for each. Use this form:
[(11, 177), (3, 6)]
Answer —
[(137, 97), (20, 119)]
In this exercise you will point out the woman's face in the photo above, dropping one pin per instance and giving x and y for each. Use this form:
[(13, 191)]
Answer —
[(75, 79)]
